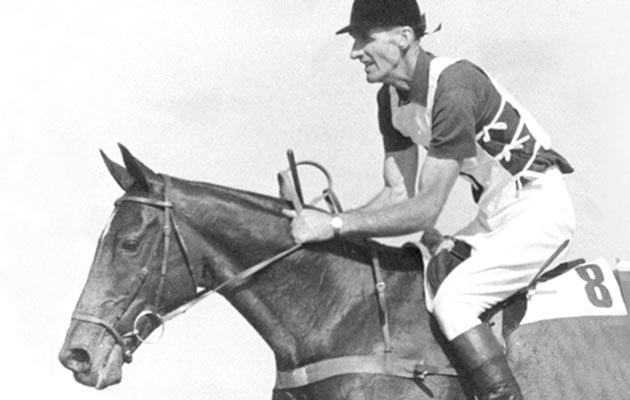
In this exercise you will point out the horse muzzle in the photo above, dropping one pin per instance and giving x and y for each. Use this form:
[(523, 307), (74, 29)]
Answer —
[(92, 355)]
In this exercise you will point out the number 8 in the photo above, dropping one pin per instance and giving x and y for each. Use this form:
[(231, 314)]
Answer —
[(597, 293)]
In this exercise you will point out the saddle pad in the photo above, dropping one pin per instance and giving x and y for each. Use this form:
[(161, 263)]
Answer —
[(590, 289)]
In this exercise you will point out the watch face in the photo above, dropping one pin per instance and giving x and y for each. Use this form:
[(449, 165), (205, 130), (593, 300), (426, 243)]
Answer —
[(336, 222)]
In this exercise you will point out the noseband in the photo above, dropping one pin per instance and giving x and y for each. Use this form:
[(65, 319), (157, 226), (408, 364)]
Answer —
[(170, 226)]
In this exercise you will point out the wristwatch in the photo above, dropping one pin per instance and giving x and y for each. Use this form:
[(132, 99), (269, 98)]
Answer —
[(336, 222)]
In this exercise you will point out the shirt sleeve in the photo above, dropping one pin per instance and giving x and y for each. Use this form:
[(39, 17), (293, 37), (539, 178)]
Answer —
[(453, 127)]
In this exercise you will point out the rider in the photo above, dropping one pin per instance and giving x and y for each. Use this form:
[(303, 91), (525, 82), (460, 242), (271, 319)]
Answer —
[(470, 127)]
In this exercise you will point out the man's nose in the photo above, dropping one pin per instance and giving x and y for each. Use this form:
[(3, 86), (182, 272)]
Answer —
[(357, 50)]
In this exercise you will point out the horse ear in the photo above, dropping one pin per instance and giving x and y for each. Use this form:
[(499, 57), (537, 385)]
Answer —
[(120, 174), (142, 174)]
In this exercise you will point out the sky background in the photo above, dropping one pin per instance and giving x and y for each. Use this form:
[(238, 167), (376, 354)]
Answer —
[(218, 91)]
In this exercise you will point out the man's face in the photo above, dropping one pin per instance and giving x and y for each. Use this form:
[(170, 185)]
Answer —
[(378, 50)]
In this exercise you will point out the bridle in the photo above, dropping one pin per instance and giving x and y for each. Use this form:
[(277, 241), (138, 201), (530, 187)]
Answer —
[(170, 227)]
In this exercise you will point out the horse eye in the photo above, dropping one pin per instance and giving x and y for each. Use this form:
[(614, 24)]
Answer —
[(130, 245)]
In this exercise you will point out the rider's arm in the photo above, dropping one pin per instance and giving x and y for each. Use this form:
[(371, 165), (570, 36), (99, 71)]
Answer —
[(419, 212), (414, 214)]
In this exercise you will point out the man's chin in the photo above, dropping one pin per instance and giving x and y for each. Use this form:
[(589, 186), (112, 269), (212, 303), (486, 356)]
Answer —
[(372, 78)]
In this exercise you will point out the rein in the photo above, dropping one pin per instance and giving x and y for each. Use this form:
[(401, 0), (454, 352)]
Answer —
[(231, 283)]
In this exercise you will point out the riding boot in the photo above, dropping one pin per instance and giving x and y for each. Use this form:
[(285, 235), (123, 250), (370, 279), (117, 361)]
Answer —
[(481, 356)]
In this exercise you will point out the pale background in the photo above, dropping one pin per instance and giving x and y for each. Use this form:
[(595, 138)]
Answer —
[(217, 91)]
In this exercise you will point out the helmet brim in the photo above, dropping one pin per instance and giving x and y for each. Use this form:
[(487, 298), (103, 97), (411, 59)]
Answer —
[(345, 29)]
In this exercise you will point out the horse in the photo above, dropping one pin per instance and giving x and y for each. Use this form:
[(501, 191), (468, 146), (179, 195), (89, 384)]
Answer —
[(170, 240)]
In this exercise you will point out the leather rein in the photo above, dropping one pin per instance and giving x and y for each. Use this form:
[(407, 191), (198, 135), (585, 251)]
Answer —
[(386, 363)]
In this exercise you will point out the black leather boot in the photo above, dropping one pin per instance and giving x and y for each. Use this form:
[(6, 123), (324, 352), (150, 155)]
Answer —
[(481, 356)]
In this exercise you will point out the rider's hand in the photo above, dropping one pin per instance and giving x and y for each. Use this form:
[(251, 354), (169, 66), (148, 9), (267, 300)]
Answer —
[(310, 226)]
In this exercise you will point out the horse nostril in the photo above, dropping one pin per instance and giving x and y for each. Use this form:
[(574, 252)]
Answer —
[(75, 359), (80, 356)]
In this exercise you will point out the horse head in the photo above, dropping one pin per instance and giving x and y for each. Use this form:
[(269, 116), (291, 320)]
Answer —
[(141, 271)]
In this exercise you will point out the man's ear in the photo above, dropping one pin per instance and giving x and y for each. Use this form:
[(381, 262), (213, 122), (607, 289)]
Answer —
[(406, 37)]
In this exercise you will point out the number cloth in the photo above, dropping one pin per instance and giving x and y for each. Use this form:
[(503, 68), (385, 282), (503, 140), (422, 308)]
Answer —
[(590, 289), (525, 211)]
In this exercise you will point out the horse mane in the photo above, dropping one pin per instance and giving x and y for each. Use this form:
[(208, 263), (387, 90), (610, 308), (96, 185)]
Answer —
[(356, 249)]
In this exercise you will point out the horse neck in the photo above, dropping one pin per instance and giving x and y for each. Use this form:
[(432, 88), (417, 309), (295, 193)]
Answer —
[(290, 303), (250, 226)]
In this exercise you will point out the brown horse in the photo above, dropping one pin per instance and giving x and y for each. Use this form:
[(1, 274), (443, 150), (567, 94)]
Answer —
[(315, 304)]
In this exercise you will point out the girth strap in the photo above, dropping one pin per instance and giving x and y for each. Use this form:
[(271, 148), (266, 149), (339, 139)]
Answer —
[(383, 365)]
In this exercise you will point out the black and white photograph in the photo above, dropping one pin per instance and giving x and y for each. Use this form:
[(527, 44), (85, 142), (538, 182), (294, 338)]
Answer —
[(315, 200)]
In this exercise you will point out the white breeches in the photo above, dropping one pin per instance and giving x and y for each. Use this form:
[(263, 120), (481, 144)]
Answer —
[(510, 239)]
